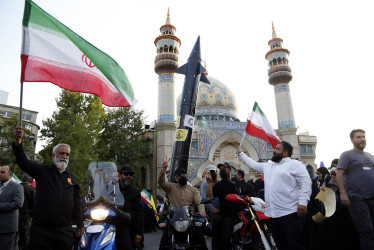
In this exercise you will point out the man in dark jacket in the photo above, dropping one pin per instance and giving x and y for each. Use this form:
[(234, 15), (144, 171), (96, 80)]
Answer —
[(11, 200), (25, 212), (130, 236), (57, 200), (243, 187)]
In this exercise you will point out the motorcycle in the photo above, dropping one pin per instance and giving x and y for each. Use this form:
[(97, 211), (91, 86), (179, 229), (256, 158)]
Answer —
[(251, 229), (102, 213), (181, 225)]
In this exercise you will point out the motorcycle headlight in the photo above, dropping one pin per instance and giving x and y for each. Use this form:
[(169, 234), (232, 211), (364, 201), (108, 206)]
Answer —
[(107, 237), (181, 226), (99, 213)]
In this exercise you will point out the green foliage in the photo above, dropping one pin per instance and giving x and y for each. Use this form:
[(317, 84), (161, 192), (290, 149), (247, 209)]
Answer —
[(7, 126), (77, 122), (94, 134), (121, 140)]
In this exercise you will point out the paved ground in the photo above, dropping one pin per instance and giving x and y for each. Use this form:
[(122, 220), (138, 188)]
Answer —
[(152, 240)]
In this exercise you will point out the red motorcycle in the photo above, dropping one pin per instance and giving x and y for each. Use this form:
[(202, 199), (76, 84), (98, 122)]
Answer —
[(251, 229)]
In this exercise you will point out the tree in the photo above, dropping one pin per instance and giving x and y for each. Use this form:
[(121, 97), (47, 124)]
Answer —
[(7, 126), (77, 122), (121, 139)]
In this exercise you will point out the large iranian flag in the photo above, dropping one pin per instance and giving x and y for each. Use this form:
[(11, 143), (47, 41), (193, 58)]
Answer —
[(259, 126), (51, 52)]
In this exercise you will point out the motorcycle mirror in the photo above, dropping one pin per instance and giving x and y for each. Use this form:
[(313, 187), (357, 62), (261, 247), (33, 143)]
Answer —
[(160, 198)]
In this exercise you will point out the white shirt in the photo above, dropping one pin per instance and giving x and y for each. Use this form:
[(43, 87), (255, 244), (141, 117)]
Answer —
[(287, 184), (4, 185)]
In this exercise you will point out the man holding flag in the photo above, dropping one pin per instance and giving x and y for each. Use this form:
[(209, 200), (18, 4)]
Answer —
[(287, 184)]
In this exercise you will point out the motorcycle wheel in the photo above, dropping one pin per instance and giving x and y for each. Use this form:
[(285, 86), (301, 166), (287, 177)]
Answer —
[(257, 244)]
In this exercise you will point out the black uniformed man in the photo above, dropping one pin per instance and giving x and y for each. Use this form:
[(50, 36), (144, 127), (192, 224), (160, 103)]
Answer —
[(25, 212), (57, 200), (130, 236)]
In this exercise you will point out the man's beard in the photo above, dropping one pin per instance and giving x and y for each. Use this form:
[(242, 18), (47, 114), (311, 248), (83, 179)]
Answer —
[(223, 174), (61, 163), (125, 182), (276, 158), (360, 145)]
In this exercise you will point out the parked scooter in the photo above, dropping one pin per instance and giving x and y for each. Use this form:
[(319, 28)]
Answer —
[(181, 225), (102, 215)]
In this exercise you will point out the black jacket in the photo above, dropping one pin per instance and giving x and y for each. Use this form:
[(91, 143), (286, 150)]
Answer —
[(133, 205), (29, 194), (57, 200), (245, 188)]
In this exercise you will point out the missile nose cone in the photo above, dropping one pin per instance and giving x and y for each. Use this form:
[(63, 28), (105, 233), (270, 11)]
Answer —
[(195, 53)]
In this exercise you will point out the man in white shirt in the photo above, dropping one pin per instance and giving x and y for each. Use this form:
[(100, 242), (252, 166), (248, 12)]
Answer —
[(287, 192)]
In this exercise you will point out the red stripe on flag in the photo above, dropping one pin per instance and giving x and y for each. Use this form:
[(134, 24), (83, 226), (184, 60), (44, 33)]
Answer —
[(255, 131), (69, 79), (145, 200)]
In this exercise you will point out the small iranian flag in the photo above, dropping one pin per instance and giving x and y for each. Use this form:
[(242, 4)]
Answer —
[(259, 126), (147, 198), (51, 52), (15, 178)]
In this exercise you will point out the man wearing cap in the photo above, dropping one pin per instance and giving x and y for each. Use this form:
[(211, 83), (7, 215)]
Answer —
[(25, 212), (130, 236), (57, 200), (228, 210), (287, 192), (181, 194)]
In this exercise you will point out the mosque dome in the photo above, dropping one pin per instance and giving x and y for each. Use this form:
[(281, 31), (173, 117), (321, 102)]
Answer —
[(214, 102)]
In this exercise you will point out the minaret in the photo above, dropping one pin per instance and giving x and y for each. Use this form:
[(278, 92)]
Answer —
[(279, 73), (166, 62)]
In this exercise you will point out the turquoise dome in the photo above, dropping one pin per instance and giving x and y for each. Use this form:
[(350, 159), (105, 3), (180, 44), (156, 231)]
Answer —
[(214, 102)]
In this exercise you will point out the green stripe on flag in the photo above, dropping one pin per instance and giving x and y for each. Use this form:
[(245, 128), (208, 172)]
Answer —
[(16, 179), (33, 14), (257, 109)]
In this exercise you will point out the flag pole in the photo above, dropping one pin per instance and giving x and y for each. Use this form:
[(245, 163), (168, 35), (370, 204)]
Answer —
[(20, 106), (241, 142)]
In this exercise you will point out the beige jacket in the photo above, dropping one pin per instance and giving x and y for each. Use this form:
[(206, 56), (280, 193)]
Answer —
[(181, 195)]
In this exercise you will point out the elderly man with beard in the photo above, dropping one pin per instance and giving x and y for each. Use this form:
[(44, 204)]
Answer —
[(57, 200), (287, 192), (355, 179), (130, 236), (181, 194)]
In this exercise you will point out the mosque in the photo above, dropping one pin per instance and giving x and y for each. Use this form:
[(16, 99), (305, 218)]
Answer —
[(217, 131)]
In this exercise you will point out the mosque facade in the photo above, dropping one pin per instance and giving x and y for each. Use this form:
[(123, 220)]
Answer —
[(217, 129)]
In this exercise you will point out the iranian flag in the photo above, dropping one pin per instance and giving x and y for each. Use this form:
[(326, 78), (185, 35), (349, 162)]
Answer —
[(51, 52), (147, 198), (259, 126)]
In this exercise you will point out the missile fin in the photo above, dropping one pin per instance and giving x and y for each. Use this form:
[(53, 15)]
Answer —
[(203, 78), (181, 70)]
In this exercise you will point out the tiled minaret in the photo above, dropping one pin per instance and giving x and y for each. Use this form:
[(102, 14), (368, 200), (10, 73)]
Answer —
[(279, 73), (166, 62)]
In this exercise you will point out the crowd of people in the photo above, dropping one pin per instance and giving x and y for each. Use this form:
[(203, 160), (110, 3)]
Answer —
[(42, 218)]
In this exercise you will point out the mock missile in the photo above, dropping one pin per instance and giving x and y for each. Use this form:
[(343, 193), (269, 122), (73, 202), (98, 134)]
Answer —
[(193, 71)]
